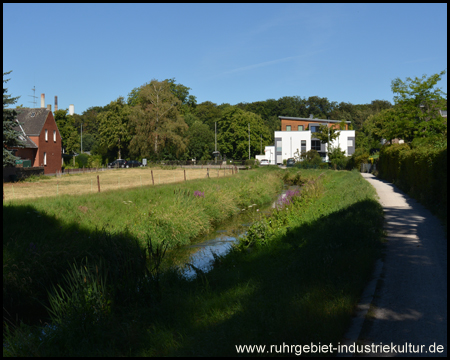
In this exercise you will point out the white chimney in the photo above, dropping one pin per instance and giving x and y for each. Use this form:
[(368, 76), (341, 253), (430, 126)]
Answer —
[(42, 101), (71, 109)]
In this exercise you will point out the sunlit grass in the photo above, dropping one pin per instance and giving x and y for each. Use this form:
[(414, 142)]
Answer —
[(299, 286)]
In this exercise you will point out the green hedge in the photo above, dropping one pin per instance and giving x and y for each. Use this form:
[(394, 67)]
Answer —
[(420, 171)]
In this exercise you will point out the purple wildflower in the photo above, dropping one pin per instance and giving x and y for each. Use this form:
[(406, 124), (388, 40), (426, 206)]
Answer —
[(288, 198), (199, 194)]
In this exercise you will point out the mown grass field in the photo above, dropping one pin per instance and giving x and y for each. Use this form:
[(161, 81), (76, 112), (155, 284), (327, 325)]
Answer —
[(111, 179), (294, 280)]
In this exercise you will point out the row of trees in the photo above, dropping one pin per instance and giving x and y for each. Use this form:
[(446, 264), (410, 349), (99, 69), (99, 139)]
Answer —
[(161, 120), (415, 116)]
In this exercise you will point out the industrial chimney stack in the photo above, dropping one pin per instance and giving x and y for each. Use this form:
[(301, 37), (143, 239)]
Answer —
[(56, 103), (71, 109), (42, 101)]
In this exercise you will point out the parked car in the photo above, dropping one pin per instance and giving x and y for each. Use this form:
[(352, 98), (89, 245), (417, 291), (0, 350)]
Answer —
[(133, 163), (264, 162), (119, 163), (290, 162)]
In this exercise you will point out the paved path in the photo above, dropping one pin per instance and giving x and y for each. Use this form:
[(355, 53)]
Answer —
[(410, 301)]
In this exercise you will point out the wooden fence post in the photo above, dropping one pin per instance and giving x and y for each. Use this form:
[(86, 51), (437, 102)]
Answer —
[(98, 182), (153, 181), (184, 174)]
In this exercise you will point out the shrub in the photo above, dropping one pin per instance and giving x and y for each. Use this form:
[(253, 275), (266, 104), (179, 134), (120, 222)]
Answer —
[(82, 160), (420, 171)]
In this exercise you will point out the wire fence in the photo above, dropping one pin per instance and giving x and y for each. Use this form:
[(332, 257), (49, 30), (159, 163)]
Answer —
[(93, 180)]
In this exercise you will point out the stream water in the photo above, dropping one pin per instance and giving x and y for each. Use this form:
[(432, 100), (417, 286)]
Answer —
[(219, 242)]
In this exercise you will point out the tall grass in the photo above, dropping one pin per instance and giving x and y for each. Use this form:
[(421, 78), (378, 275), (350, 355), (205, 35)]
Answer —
[(43, 237), (298, 286)]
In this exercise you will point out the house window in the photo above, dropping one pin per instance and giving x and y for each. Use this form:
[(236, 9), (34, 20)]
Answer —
[(303, 146), (288, 127), (315, 145), (54, 135), (45, 158), (350, 143), (46, 135), (279, 148), (300, 128), (314, 128)]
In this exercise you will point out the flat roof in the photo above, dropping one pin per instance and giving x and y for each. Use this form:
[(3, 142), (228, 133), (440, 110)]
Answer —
[(309, 119)]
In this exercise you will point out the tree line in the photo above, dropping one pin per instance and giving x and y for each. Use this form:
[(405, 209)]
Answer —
[(161, 120)]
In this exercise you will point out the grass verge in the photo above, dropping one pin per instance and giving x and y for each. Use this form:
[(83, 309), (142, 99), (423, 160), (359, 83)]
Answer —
[(298, 286)]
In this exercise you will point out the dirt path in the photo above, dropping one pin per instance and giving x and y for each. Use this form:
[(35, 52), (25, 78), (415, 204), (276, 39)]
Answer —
[(409, 305)]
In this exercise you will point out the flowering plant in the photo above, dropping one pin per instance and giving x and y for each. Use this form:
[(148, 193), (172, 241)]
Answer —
[(199, 194)]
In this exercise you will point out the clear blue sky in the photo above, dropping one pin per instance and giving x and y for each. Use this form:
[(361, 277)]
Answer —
[(90, 54)]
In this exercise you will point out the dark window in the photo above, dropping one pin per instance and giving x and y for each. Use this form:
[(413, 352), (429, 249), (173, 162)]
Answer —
[(303, 145), (315, 145)]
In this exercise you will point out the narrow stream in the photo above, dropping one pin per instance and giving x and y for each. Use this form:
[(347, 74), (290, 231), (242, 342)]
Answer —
[(219, 242)]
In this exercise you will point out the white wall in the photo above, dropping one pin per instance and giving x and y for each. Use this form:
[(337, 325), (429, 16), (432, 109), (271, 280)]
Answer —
[(291, 141), (269, 154), (342, 140)]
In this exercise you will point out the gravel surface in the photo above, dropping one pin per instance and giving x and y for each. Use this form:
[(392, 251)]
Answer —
[(409, 304)]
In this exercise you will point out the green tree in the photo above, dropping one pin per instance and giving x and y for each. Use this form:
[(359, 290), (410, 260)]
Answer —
[(187, 102), (419, 101), (157, 123), (201, 140), (114, 131), (327, 135), (233, 130), (321, 108), (69, 136), (208, 113), (10, 136)]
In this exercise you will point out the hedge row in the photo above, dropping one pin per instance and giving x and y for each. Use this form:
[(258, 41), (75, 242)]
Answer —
[(419, 171)]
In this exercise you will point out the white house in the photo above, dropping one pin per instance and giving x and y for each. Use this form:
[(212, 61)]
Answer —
[(297, 136)]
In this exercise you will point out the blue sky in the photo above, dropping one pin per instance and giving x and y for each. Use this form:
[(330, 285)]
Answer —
[(90, 54)]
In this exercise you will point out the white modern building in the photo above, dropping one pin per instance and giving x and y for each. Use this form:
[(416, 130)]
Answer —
[(297, 136)]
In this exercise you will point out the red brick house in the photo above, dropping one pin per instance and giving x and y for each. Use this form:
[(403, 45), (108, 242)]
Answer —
[(42, 139)]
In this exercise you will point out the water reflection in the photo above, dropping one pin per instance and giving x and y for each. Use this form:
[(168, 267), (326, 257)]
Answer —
[(220, 242)]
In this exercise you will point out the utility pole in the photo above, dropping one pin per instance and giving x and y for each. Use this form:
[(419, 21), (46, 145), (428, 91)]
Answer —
[(249, 141), (215, 142)]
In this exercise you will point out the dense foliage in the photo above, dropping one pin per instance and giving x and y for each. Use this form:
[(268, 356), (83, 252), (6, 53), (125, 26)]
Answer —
[(161, 120), (10, 136)]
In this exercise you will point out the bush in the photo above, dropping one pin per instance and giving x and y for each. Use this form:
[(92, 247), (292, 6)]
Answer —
[(420, 171), (95, 161), (359, 157), (82, 160)]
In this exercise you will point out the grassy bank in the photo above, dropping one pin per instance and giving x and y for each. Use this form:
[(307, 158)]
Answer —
[(42, 237), (297, 282)]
